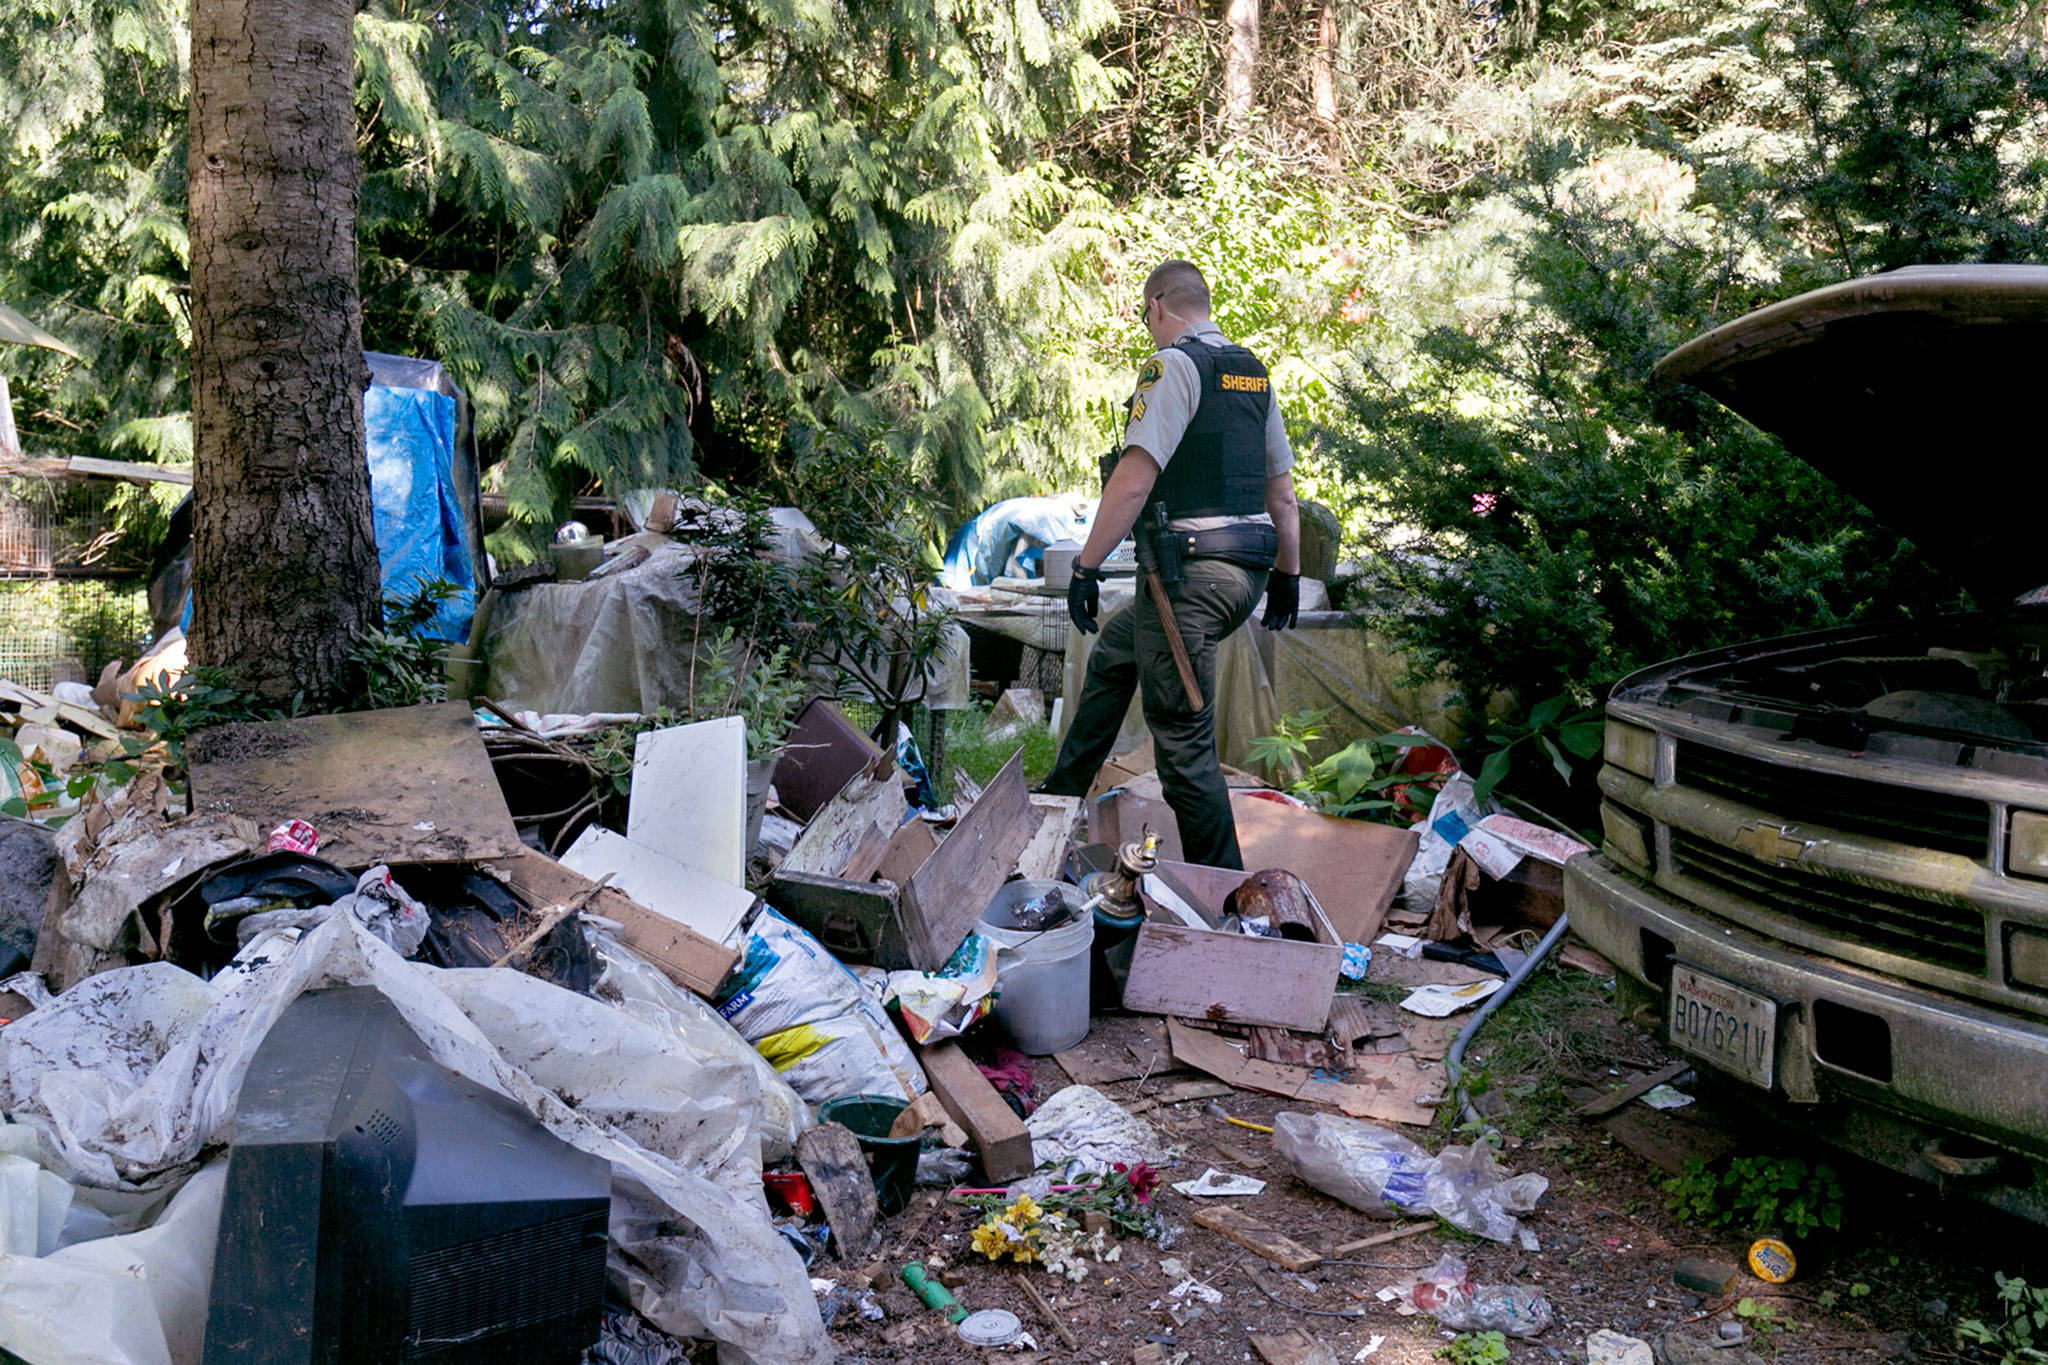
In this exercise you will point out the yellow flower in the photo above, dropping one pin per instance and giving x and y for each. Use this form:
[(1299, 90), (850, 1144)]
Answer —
[(1023, 1252), (990, 1241), (1025, 1210)]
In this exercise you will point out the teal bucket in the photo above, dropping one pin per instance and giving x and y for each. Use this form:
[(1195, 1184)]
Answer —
[(892, 1162)]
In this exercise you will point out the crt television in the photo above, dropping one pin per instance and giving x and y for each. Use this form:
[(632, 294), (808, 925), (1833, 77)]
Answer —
[(380, 1208)]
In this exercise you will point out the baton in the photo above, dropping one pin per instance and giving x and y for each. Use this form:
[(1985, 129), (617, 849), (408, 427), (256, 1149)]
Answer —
[(1179, 647)]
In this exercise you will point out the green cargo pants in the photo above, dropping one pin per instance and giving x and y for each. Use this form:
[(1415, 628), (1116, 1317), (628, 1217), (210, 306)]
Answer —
[(1133, 655)]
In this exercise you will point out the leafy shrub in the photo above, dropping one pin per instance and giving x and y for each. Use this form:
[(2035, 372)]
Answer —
[(2010, 1339), (1759, 1194), (1359, 781)]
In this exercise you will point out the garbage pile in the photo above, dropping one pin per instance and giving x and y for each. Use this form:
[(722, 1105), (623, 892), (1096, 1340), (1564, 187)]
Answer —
[(317, 1000)]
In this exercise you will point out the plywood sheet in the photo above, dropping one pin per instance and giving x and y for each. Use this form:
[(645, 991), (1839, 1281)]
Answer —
[(689, 795), (1235, 978), (408, 785), (869, 808)]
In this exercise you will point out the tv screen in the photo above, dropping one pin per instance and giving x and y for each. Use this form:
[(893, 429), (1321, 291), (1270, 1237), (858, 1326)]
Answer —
[(381, 1208)]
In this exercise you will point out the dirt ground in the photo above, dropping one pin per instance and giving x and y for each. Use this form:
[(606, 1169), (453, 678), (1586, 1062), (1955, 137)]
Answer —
[(1889, 1287)]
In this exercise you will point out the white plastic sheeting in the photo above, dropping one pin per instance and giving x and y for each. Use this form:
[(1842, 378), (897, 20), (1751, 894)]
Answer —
[(129, 1075)]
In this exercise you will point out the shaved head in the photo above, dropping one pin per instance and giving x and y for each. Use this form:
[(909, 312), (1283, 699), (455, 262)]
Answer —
[(1180, 286)]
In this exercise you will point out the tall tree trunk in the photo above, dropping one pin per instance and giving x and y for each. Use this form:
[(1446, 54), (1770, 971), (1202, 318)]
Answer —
[(1240, 60), (1323, 85), (284, 568)]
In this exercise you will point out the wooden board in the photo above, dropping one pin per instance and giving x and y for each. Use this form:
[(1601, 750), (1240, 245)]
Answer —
[(823, 753), (870, 804), (909, 846), (998, 1134), (1641, 1085), (408, 785), (856, 921), (1255, 1235), (1354, 868), (830, 1156), (944, 898), (1238, 978), (691, 960), (1045, 854)]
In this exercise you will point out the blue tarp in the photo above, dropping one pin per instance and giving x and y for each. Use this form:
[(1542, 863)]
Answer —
[(981, 551), (415, 513)]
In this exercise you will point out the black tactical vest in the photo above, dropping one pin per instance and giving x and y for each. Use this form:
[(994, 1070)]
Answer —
[(1219, 467)]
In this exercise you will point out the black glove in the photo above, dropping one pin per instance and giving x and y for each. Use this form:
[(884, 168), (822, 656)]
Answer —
[(1084, 598), (1283, 600)]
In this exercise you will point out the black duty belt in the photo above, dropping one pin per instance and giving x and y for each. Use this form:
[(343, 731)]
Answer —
[(1250, 545)]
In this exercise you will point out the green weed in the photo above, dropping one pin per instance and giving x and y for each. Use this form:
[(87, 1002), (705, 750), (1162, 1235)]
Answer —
[(1759, 1193), (1475, 1348), (2018, 1334)]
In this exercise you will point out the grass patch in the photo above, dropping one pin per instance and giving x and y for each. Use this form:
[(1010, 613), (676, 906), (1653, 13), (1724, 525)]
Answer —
[(981, 755), (1557, 1026)]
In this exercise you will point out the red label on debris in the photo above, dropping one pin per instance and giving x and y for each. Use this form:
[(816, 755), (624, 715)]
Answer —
[(295, 836)]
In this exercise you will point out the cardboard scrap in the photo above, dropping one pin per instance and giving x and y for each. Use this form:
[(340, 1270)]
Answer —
[(1389, 1089)]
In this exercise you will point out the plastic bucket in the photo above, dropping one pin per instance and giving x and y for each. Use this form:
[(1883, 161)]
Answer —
[(892, 1162), (1044, 973)]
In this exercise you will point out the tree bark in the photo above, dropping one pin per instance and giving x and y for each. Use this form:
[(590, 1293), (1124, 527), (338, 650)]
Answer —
[(1240, 60), (284, 569), (1323, 85)]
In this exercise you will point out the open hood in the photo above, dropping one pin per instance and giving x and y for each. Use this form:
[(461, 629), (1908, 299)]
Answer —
[(1923, 392)]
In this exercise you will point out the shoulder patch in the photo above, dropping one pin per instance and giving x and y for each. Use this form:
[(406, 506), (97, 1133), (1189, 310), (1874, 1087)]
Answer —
[(1154, 370)]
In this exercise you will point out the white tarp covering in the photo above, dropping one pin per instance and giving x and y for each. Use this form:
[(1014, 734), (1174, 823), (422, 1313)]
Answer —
[(130, 1075)]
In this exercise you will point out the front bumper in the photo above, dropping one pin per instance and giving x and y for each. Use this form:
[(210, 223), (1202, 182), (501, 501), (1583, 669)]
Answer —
[(1955, 1067)]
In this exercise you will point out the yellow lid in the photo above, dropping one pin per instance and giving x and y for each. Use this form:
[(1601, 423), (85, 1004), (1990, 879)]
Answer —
[(1771, 1260)]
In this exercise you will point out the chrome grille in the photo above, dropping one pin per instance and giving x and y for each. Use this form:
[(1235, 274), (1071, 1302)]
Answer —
[(1891, 919), (1878, 810)]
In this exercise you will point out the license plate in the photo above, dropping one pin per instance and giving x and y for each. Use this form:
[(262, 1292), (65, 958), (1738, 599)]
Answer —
[(1729, 1026)]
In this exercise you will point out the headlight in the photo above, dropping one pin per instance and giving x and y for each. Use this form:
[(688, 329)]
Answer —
[(1631, 748), (1627, 835), (2026, 844), (2026, 958)]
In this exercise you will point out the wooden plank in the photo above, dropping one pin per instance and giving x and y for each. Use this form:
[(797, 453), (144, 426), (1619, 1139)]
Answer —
[(912, 843), (1635, 1089), (943, 899), (1380, 1239), (124, 469), (1045, 854), (1257, 1236), (1234, 978), (408, 785), (998, 1134), (872, 799), (691, 960), (1384, 1088), (1297, 1049)]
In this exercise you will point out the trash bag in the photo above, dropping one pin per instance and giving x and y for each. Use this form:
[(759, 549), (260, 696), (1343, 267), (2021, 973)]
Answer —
[(130, 1075), (642, 990), (812, 1019), (1381, 1173), (1446, 1292), (1086, 1133), (1374, 1170)]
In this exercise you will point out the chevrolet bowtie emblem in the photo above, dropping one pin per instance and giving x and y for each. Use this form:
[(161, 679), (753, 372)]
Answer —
[(1771, 843)]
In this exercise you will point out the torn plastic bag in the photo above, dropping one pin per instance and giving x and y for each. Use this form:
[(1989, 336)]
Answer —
[(812, 1019), (944, 1004), (1381, 1173), (1086, 1132), (1446, 1292), (644, 991), (131, 1073), (137, 1299), (378, 901)]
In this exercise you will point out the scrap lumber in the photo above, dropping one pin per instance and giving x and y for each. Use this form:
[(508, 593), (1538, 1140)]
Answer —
[(856, 921), (944, 898), (1635, 1089), (998, 1135), (830, 1157), (846, 830), (692, 961), (695, 899), (1389, 1089), (1045, 1311), (1045, 854), (1379, 1240), (1255, 1235)]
